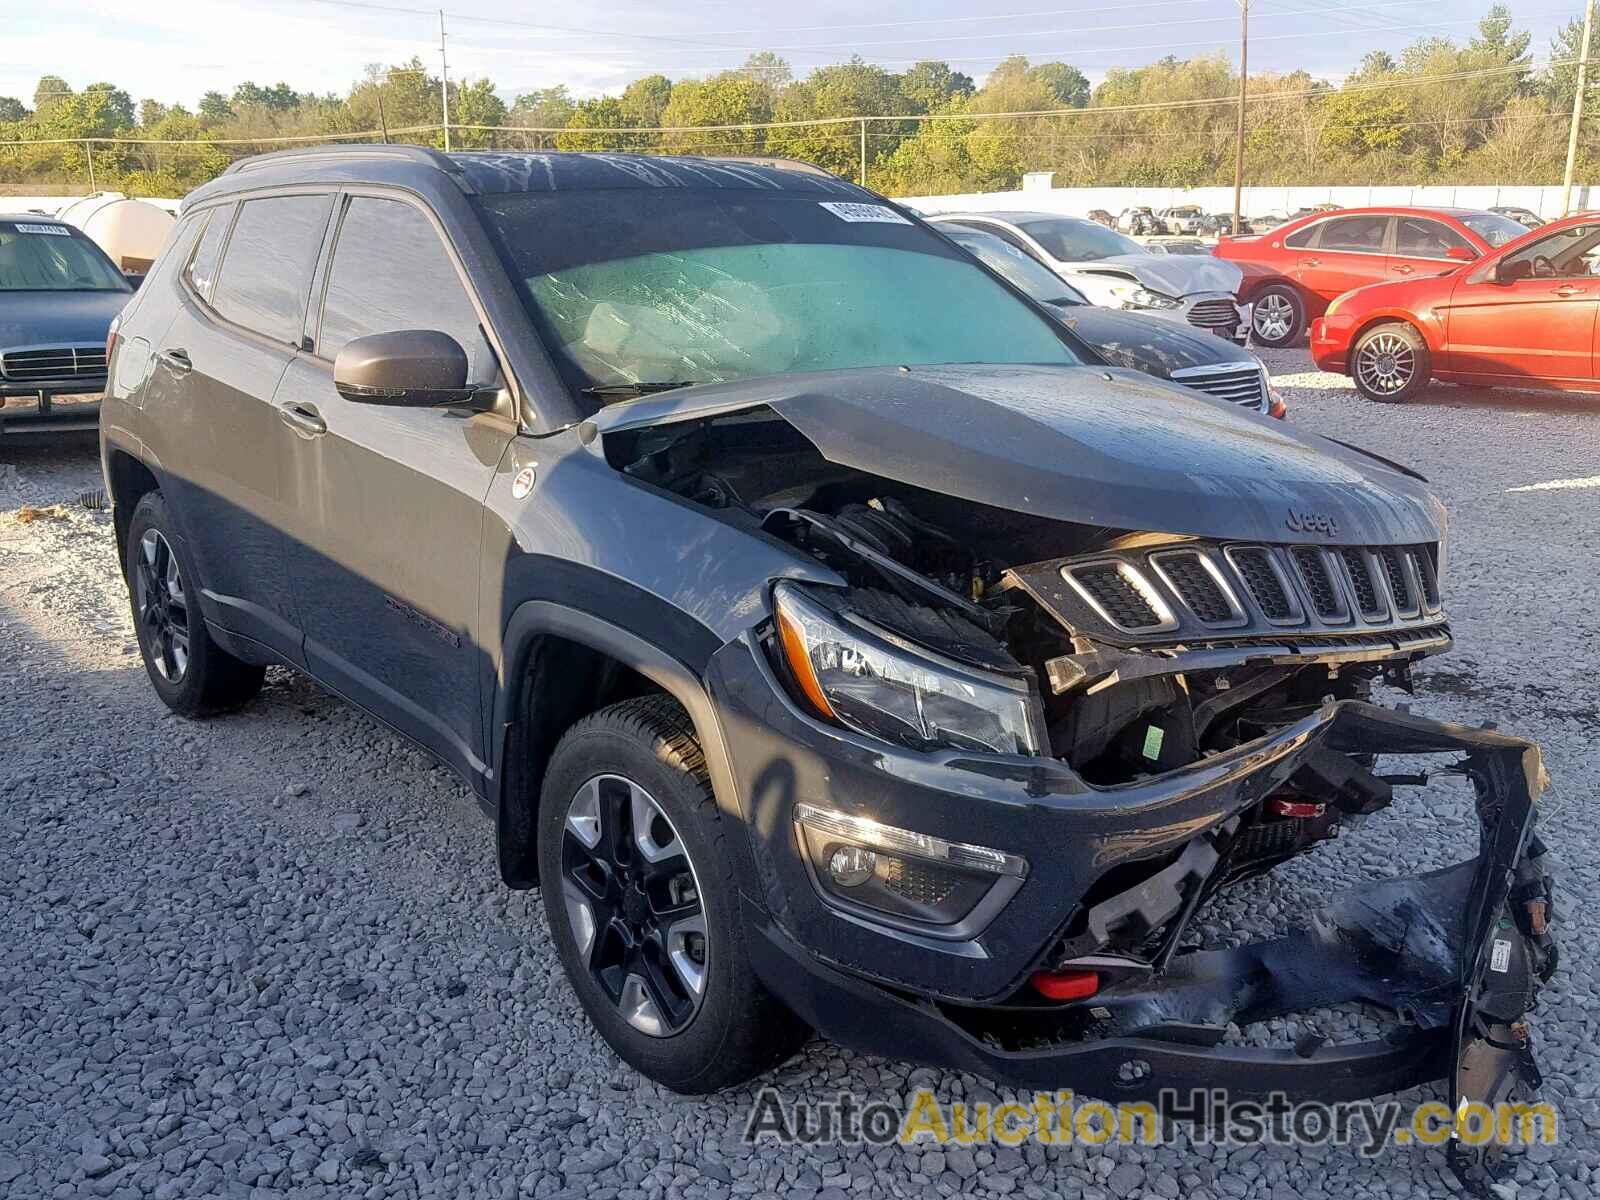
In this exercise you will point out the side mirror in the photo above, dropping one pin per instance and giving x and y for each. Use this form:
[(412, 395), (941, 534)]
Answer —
[(1460, 253), (410, 368), (1504, 272)]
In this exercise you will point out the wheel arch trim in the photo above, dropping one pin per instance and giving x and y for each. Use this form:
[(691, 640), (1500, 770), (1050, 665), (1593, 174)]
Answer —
[(534, 619)]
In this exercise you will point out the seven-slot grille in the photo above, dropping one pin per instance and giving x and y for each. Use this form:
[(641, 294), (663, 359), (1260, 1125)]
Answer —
[(1312, 589), (1241, 384), (56, 362), (1215, 314)]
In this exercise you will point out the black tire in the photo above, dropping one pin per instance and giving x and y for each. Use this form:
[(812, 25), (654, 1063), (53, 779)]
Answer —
[(736, 1029), (1278, 316), (1389, 363), (205, 679)]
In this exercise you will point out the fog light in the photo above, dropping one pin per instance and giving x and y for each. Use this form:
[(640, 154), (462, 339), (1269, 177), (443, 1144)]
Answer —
[(851, 866)]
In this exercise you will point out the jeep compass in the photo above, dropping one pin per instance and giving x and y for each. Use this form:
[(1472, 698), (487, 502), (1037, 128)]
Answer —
[(838, 643)]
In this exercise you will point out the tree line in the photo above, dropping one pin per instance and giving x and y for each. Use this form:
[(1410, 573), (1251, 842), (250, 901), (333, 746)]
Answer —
[(1435, 111)]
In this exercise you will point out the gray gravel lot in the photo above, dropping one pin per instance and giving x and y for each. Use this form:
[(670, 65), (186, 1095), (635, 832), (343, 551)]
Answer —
[(269, 955)]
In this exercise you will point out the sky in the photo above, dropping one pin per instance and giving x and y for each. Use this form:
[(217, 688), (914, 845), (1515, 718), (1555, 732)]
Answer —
[(175, 50)]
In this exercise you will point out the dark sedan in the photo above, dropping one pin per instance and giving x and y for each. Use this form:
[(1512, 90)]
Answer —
[(58, 296), (1165, 347)]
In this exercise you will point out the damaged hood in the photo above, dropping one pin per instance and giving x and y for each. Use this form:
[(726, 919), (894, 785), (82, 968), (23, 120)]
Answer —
[(1152, 344), (1169, 274), (1089, 445)]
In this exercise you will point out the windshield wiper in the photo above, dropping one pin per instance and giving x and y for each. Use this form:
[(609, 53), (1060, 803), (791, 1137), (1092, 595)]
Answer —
[(607, 391)]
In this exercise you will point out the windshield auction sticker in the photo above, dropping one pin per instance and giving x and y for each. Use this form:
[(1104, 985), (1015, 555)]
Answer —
[(846, 211), (57, 230), (1062, 1119)]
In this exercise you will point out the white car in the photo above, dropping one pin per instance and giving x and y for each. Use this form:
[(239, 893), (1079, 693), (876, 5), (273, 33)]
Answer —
[(1117, 272), (1182, 218)]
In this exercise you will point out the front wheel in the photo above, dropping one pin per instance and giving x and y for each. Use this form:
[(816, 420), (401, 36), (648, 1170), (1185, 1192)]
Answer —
[(1278, 317), (639, 892), (1390, 363)]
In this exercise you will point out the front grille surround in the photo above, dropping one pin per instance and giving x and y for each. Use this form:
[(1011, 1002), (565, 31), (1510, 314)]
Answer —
[(1192, 592), (1220, 313), (50, 364), (1244, 384)]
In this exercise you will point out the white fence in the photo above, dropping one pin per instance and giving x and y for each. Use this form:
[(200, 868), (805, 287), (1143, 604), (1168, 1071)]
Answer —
[(1257, 201)]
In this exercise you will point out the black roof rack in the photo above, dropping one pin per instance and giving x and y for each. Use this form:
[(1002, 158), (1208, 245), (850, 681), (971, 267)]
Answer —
[(421, 155)]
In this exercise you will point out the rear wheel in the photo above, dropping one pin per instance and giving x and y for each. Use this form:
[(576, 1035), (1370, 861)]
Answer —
[(642, 904), (1278, 317), (1390, 363), (193, 675)]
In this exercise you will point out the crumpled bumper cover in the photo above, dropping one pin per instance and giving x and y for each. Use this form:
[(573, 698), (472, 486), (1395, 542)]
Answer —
[(1457, 954)]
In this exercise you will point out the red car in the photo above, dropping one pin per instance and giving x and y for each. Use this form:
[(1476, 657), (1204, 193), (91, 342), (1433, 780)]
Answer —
[(1522, 316), (1293, 272)]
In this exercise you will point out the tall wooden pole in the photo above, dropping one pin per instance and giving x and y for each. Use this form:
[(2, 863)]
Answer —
[(1244, 78), (444, 82), (1577, 110)]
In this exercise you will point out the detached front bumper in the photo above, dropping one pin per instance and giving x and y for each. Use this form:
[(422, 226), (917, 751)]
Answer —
[(1458, 955)]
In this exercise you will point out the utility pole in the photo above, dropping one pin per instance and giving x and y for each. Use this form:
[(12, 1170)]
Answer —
[(383, 121), (863, 179), (1244, 80), (1577, 109), (444, 82), (88, 157)]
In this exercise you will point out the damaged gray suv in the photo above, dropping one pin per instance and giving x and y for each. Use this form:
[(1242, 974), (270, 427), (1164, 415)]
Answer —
[(838, 643)]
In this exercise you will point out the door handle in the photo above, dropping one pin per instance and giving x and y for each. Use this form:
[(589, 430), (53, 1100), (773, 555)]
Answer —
[(1566, 289), (302, 418), (1312, 262), (176, 360), (1403, 269)]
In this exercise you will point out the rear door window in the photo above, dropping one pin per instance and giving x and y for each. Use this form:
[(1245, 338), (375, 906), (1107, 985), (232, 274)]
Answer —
[(1359, 234), (1302, 238), (1418, 237), (390, 271), (266, 271)]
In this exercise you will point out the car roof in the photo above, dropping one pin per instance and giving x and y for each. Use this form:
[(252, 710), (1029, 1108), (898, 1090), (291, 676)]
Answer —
[(1009, 216), (490, 173), (33, 216)]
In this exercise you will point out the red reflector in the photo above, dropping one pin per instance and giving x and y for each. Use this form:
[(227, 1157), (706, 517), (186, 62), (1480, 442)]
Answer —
[(1066, 985), (1296, 808), (1277, 408)]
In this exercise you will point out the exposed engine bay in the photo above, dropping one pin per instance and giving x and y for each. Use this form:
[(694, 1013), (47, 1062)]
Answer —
[(1147, 652)]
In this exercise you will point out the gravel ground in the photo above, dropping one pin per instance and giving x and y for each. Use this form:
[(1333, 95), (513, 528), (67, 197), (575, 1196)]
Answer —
[(269, 955)]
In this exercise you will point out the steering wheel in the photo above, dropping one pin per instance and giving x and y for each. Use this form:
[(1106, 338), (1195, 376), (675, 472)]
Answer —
[(1543, 268)]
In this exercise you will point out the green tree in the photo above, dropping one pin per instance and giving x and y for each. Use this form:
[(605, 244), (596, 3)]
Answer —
[(730, 98), (930, 86), (644, 100), (475, 103), (852, 89), (50, 91), (600, 114), (214, 106), (12, 109), (1068, 84)]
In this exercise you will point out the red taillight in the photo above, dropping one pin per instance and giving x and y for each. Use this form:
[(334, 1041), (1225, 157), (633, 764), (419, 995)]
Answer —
[(1066, 985), (111, 337), (1277, 408)]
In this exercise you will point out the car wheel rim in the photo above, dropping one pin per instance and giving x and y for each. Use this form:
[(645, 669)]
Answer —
[(1386, 364), (1274, 316), (163, 606), (633, 902)]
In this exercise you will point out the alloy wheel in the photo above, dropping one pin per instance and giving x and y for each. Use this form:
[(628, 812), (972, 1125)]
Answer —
[(633, 901), (1386, 363), (1274, 317), (163, 606)]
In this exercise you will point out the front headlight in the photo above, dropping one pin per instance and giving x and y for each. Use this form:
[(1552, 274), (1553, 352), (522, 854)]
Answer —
[(1133, 296), (871, 680)]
